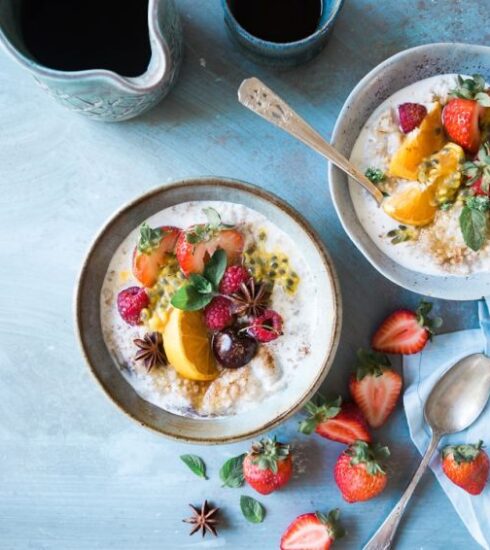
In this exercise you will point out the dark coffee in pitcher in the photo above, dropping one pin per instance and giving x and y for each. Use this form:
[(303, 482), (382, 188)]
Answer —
[(75, 35)]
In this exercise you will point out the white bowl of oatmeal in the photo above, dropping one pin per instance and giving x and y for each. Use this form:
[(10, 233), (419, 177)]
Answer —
[(256, 351), (437, 245)]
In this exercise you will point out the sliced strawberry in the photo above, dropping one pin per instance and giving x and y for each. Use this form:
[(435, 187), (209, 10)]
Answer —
[(406, 331), (375, 387), (196, 245), (152, 252), (461, 119), (312, 532), (477, 188), (410, 116), (342, 422)]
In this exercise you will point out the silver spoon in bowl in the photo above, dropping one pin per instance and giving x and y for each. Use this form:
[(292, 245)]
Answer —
[(260, 99), (454, 403)]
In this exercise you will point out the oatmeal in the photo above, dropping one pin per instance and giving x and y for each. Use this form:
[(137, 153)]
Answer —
[(227, 349), (434, 174)]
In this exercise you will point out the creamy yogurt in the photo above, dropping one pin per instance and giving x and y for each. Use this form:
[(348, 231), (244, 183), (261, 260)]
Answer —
[(439, 248), (235, 390)]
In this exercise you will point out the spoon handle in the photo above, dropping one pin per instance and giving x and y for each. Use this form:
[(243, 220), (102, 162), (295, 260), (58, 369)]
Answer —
[(383, 538), (260, 99)]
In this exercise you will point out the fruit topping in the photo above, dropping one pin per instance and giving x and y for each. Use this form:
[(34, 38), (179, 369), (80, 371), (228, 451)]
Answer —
[(268, 465), (417, 146), (375, 387), (267, 326), (200, 289), (474, 87), (406, 331), (443, 170), (461, 118), (218, 314), (410, 116), (150, 350), (198, 243), (131, 302), (233, 349), (467, 466), (313, 532), (233, 278), (413, 205), (152, 252), (251, 298), (359, 471), (402, 234), (187, 347), (342, 422), (477, 172)]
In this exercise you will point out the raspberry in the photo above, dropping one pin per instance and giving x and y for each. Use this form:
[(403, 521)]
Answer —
[(130, 302), (266, 327), (410, 116), (233, 277), (217, 314)]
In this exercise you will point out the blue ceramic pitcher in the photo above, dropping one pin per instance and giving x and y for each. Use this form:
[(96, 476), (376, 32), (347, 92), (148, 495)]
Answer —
[(99, 93)]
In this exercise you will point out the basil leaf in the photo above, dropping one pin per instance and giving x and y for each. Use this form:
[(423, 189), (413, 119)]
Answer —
[(473, 224), (200, 283), (189, 299), (253, 511), (215, 267), (231, 473), (195, 464)]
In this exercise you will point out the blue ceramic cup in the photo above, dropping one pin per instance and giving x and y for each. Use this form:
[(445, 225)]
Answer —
[(285, 54)]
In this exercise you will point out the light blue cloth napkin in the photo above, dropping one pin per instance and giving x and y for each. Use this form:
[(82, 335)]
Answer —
[(421, 371)]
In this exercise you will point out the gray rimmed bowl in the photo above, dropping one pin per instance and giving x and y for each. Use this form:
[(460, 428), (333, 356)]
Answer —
[(384, 80), (207, 430)]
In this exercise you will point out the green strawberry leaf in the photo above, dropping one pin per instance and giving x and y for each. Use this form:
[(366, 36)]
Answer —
[(188, 298), (474, 225), (195, 464), (231, 473), (253, 511), (215, 268), (149, 238)]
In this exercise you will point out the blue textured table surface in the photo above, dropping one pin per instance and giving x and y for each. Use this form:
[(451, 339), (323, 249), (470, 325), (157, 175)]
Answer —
[(74, 472)]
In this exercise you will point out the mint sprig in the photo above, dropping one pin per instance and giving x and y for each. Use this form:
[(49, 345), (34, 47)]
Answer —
[(473, 221), (195, 464), (201, 289)]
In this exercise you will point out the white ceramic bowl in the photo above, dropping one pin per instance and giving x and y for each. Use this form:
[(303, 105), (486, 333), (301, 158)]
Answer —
[(383, 81), (266, 415)]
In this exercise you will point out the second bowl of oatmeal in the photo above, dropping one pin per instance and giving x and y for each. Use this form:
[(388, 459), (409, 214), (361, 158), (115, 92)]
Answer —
[(208, 310), (419, 125)]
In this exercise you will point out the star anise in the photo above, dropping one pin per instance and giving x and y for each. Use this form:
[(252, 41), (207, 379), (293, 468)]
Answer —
[(203, 519), (150, 350), (252, 298)]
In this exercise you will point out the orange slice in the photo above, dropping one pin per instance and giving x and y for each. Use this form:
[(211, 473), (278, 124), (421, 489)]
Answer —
[(412, 206), (418, 145), (187, 345)]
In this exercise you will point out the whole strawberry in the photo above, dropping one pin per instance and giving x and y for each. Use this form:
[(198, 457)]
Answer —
[(375, 387), (467, 466), (405, 331), (359, 472), (342, 422), (268, 465), (313, 532)]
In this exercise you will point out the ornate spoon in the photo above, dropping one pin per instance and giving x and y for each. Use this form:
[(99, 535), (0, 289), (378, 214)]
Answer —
[(454, 403), (260, 99)]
